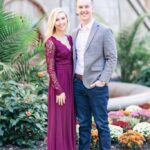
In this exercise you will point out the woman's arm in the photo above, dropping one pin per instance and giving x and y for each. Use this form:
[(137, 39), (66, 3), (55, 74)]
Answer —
[(50, 60)]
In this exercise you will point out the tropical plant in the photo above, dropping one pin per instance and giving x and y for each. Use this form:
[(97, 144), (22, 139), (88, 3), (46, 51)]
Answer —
[(19, 45), (133, 50)]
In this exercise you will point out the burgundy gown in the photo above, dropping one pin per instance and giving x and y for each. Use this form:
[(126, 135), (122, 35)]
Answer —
[(61, 119)]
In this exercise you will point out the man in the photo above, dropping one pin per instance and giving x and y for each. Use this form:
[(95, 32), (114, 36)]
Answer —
[(95, 57)]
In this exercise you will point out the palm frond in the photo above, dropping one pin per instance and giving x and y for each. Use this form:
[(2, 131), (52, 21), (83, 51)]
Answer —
[(6, 70), (16, 35), (22, 69), (126, 36)]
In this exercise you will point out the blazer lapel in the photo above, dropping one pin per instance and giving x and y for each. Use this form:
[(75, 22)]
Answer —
[(92, 33), (74, 38), (74, 47)]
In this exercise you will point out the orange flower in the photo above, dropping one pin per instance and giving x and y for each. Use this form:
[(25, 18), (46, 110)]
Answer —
[(94, 133), (40, 74), (28, 113), (130, 137), (126, 113)]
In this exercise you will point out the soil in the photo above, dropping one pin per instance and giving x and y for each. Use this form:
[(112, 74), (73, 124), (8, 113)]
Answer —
[(42, 146)]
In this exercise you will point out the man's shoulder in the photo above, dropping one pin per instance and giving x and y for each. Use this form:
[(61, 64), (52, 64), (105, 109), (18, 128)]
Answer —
[(102, 26)]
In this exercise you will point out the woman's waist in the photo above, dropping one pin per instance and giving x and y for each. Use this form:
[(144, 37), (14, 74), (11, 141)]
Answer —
[(64, 66)]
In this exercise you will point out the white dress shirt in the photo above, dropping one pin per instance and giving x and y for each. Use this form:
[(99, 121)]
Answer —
[(81, 43)]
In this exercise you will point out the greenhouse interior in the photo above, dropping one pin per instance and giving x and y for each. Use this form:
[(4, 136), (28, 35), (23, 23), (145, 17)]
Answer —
[(32, 76)]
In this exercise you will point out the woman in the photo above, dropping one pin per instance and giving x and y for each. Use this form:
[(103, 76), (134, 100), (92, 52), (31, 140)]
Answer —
[(58, 51)]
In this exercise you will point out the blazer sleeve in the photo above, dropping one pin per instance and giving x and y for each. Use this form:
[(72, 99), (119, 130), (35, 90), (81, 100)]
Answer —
[(110, 56), (50, 61)]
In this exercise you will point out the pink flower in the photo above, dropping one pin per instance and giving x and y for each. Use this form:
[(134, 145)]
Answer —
[(144, 113), (115, 114), (134, 114), (28, 113)]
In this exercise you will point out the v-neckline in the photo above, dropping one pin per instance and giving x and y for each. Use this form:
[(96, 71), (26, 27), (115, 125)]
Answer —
[(63, 43)]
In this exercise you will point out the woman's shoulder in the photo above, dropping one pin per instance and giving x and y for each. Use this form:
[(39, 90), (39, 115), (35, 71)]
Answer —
[(50, 40), (50, 43)]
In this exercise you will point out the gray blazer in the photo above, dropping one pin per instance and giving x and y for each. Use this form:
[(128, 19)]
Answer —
[(100, 57)]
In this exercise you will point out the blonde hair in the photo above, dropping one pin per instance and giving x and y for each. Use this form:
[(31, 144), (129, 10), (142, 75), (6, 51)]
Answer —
[(52, 20)]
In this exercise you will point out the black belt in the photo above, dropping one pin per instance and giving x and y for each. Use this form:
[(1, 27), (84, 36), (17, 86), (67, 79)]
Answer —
[(78, 76)]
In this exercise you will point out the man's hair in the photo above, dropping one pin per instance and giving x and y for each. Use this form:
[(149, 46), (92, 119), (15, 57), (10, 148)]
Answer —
[(90, 0)]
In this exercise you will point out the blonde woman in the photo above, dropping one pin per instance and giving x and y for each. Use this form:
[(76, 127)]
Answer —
[(58, 51)]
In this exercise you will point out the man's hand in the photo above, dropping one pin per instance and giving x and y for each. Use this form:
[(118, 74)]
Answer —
[(60, 99), (98, 83)]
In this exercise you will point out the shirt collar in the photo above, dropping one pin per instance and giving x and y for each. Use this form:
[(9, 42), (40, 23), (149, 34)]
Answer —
[(88, 26)]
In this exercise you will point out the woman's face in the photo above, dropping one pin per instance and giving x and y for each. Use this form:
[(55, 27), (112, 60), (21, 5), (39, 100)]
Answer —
[(61, 22)]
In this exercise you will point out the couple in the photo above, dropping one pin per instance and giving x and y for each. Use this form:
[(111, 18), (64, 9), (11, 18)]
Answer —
[(93, 53)]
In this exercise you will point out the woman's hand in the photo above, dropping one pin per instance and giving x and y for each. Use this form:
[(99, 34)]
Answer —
[(60, 99)]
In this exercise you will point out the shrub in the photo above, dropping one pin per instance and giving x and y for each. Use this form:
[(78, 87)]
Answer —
[(123, 124), (115, 115), (143, 115), (132, 139), (131, 120), (145, 106), (144, 76), (23, 114), (133, 108), (115, 132), (143, 128)]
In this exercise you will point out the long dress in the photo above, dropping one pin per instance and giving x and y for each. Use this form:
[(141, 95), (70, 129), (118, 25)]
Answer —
[(61, 119)]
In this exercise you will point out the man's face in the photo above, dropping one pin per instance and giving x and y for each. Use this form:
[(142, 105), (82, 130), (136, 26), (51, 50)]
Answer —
[(84, 10)]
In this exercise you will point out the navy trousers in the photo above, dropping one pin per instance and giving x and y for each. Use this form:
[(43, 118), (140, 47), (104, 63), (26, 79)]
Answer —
[(90, 102)]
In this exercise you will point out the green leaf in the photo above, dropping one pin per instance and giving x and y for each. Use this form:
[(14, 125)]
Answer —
[(39, 126), (14, 122), (1, 131)]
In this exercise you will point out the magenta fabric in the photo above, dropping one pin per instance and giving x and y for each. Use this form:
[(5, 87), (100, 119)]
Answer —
[(61, 119)]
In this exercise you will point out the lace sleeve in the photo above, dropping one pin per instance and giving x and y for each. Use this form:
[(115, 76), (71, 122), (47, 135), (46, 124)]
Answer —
[(50, 60)]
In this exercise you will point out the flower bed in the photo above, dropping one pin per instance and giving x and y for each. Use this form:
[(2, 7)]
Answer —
[(129, 128), (135, 123)]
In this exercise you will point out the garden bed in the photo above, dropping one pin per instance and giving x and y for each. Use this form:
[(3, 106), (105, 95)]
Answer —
[(42, 146)]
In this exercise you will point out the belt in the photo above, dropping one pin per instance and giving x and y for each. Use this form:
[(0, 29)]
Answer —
[(78, 76)]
